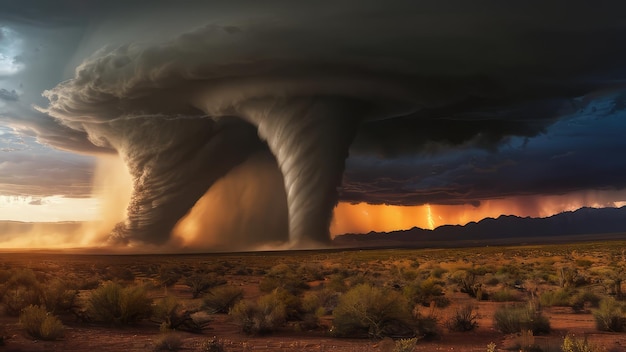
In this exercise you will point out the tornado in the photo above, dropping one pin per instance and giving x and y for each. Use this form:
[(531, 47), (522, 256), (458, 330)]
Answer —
[(184, 113), (310, 138)]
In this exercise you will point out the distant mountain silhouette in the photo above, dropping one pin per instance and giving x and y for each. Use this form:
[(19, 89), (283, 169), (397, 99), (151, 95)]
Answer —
[(584, 221)]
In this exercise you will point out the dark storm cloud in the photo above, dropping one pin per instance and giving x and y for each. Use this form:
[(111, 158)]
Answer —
[(9, 95), (583, 152), (402, 79)]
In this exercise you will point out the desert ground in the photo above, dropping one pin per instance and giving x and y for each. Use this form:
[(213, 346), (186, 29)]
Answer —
[(496, 298)]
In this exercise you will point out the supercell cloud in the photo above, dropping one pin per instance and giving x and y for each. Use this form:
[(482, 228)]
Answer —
[(386, 85)]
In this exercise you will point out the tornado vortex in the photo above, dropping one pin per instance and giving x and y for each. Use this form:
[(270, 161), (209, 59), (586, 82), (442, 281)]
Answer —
[(181, 120)]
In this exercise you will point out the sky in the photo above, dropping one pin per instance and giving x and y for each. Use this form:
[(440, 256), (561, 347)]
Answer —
[(212, 124)]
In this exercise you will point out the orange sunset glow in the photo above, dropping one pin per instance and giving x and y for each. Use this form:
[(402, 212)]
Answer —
[(363, 217)]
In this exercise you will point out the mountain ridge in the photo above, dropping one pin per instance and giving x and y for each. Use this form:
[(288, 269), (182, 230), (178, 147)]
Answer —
[(578, 222)]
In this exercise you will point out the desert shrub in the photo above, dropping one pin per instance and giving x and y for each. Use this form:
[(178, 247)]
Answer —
[(169, 275), (405, 345), (166, 310), (437, 272), (325, 299), (310, 272), (212, 345), (337, 283), (426, 325), (21, 290), (172, 315), (426, 291), (282, 276), (201, 283), (583, 263), (512, 319), (409, 275), (569, 277), (367, 311), (221, 299), (464, 319), (41, 325), (261, 317), (118, 273), (316, 304), (505, 295), (358, 279), (168, 340), (113, 304), (57, 298), (610, 315), (468, 282), (293, 304), (525, 342), (571, 343), (579, 300), (492, 281), (560, 298)]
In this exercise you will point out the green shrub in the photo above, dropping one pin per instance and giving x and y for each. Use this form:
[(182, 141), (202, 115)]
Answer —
[(261, 317), (169, 312), (572, 343), (310, 272), (113, 304), (21, 290), (41, 325), (560, 298), (337, 283), (293, 305), (221, 299), (469, 282), (367, 311), (505, 295), (464, 319), (314, 305), (57, 298), (169, 275), (119, 273), (512, 319), (584, 263), (282, 276), (579, 300), (425, 292), (437, 272), (201, 283), (610, 315)]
